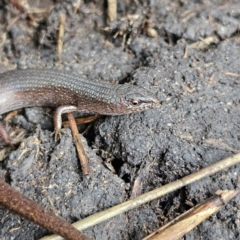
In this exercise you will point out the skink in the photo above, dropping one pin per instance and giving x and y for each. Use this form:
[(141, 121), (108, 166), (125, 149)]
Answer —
[(69, 93)]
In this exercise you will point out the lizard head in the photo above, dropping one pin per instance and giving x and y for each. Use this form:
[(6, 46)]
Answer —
[(134, 98)]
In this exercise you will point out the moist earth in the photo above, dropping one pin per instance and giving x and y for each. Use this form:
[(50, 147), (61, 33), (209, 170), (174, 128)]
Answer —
[(185, 52)]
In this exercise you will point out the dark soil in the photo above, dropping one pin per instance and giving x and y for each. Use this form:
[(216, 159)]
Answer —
[(197, 125)]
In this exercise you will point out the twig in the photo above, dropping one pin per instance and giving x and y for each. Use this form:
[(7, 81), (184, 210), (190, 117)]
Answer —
[(204, 43), (137, 188), (13, 21), (4, 135), (78, 142), (232, 74), (22, 6), (220, 145), (60, 36), (82, 120), (40, 10), (76, 5), (19, 5), (185, 55), (25, 207), (112, 10), (181, 225), (149, 196)]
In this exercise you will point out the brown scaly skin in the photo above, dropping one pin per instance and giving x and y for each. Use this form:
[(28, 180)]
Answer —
[(69, 93)]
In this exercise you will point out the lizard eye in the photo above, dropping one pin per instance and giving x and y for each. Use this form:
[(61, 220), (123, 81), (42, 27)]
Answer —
[(135, 102)]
